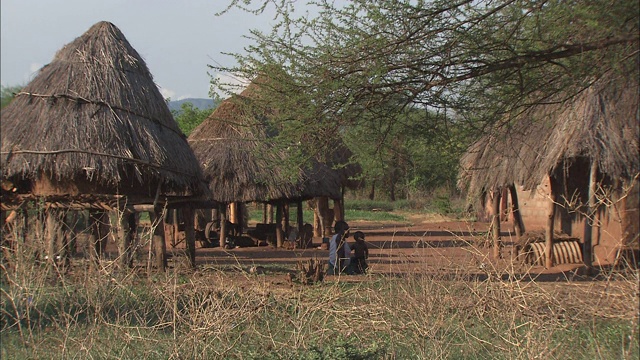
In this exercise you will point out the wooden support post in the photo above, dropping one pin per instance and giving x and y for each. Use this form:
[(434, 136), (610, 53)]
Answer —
[(300, 216), (158, 242), (548, 235), (127, 224), (338, 210), (587, 251), (269, 214), (53, 233), (233, 213), (518, 224), (495, 222), (322, 207), (317, 221), (264, 213), (223, 224), (279, 232), (285, 218), (190, 235), (175, 231)]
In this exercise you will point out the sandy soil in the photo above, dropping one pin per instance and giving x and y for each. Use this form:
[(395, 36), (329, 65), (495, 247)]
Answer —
[(432, 245)]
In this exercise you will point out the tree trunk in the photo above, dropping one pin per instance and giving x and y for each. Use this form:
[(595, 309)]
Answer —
[(372, 191), (518, 224), (495, 222)]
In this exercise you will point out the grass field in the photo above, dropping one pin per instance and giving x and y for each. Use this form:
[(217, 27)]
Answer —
[(218, 312)]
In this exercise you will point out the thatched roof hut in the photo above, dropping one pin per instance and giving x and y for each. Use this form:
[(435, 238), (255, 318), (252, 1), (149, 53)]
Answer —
[(94, 122), (570, 155), (600, 124), (239, 164)]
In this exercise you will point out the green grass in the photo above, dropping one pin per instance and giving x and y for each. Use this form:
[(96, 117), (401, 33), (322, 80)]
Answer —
[(352, 213)]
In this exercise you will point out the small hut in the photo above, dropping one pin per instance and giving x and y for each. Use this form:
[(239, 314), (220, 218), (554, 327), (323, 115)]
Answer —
[(571, 166), (241, 166), (92, 132)]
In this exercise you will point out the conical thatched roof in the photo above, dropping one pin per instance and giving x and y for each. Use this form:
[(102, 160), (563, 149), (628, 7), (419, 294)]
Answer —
[(94, 116), (600, 123), (240, 165), (227, 145)]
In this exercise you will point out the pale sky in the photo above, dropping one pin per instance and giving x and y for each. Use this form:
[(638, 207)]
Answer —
[(177, 39)]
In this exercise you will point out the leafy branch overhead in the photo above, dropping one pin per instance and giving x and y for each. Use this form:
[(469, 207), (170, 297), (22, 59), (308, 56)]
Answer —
[(351, 58), (390, 74)]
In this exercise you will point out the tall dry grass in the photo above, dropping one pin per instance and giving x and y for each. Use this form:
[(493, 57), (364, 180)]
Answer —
[(98, 312)]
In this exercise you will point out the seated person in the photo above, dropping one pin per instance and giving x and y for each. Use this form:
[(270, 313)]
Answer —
[(361, 254), (339, 250)]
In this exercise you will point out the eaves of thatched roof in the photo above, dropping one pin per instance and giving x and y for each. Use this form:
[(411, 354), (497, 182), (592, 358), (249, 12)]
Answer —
[(94, 115), (600, 123)]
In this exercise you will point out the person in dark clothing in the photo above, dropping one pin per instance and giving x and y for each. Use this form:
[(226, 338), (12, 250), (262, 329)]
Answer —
[(361, 253)]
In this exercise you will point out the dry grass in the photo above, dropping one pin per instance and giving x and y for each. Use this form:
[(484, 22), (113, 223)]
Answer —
[(99, 313)]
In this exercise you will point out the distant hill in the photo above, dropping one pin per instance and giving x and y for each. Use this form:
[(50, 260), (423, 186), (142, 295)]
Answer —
[(198, 103)]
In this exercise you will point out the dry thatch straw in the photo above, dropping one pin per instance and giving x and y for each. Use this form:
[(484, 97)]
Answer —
[(94, 117), (600, 123), (240, 165)]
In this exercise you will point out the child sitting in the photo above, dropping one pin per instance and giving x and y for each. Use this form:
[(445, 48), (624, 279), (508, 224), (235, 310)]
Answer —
[(361, 253)]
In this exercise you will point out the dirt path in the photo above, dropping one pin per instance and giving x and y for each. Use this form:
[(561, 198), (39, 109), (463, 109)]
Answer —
[(432, 245)]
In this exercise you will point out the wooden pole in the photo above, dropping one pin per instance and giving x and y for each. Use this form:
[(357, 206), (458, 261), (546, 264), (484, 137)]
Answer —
[(190, 235), (53, 234), (518, 224), (300, 216), (158, 242), (279, 232), (317, 221), (495, 222), (223, 224), (285, 218), (175, 231), (323, 210), (548, 236), (125, 230), (264, 213), (587, 251), (269, 213), (338, 210)]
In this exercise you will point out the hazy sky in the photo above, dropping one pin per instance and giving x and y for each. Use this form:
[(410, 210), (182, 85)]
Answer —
[(177, 39)]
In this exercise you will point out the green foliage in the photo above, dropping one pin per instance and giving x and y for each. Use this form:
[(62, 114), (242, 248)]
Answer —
[(189, 117), (409, 84), (7, 93)]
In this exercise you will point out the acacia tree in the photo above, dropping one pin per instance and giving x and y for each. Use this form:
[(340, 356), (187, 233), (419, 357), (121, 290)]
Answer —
[(370, 60)]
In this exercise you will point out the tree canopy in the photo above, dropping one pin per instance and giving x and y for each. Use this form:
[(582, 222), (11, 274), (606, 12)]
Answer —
[(357, 64)]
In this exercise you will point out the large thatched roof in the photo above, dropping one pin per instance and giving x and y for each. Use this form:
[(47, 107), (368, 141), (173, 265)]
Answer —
[(240, 165), (600, 123), (227, 145), (94, 116)]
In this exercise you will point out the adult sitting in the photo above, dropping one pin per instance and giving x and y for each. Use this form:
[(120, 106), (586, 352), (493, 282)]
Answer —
[(339, 250)]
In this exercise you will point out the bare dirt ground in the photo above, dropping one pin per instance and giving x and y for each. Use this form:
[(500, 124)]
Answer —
[(428, 245)]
